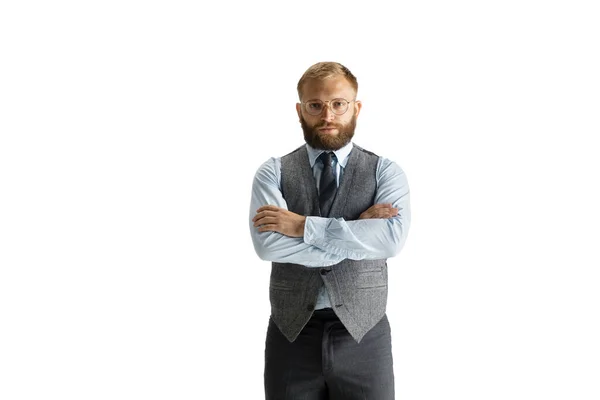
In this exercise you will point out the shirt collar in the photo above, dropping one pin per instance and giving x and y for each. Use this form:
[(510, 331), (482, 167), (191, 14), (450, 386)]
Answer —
[(341, 154)]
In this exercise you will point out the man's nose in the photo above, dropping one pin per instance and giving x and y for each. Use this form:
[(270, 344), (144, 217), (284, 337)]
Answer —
[(327, 114)]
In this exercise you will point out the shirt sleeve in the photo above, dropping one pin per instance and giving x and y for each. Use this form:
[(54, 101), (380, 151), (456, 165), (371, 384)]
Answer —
[(274, 246), (367, 239)]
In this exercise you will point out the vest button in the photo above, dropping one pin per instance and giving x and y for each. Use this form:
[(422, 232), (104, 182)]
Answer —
[(325, 271)]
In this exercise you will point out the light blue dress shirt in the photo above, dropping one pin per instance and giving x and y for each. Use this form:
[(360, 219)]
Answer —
[(327, 241)]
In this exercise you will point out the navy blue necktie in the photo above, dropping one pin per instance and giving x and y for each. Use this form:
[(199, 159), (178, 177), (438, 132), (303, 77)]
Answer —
[(328, 184)]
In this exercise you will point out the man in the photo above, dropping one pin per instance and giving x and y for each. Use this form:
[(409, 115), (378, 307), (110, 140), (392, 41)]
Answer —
[(327, 216)]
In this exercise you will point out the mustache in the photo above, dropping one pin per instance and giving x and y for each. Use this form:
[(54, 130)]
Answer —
[(326, 125)]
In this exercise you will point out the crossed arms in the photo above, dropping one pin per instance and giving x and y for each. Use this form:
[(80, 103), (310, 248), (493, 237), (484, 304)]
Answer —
[(282, 236)]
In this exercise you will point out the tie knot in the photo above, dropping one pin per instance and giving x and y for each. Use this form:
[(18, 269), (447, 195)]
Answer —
[(327, 157)]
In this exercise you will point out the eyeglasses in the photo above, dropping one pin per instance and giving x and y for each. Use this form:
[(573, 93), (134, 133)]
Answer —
[(316, 107)]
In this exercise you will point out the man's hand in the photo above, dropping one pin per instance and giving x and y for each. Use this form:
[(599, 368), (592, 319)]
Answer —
[(272, 218), (379, 211)]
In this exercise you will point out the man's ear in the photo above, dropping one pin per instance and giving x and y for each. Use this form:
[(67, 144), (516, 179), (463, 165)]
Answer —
[(357, 107), (299, 110)]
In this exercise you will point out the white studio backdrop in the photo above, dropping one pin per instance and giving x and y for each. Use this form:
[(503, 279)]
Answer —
[(130, 133)]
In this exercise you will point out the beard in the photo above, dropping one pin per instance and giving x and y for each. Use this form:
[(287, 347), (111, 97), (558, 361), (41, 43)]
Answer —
[(324, 141)]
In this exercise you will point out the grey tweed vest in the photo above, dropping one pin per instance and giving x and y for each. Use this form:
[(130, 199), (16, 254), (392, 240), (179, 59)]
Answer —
[(357, 289)]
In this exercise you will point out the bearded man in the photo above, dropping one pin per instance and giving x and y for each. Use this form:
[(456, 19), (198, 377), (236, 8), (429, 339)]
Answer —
[(328, 215)]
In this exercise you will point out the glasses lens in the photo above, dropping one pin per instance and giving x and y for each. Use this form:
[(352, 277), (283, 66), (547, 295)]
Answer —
[(314, 107), (339, 106)]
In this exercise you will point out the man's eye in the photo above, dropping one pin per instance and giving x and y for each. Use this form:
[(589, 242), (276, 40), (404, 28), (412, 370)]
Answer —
[(314, 106), (339, 104)]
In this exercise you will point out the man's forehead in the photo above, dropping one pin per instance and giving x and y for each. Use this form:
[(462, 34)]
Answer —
[(328, 86)]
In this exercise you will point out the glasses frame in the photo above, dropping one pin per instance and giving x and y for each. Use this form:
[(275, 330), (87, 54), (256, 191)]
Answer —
[(328, 104)]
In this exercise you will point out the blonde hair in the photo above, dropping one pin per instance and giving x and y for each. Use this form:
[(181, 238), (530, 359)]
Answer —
[(325, 70)]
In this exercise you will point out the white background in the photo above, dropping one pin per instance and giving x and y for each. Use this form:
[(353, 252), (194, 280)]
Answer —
[(130, 135)]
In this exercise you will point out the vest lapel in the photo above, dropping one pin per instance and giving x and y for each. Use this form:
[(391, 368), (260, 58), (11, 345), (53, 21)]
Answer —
[(308, 183)]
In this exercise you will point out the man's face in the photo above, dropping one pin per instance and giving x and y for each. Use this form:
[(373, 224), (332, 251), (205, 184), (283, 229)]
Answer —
[(327, 130)]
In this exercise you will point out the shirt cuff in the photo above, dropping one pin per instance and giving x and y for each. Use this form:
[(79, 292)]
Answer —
[(314, 229)]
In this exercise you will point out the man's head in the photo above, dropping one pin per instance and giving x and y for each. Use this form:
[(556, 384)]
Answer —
[(328, 108)]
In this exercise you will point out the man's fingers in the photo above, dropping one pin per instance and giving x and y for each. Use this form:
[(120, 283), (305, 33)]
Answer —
[(380, 212), (387, 210), (391, 212), (265, 228), (263, 213), (265, 221), (384, 210), (381, 205), (268, 208)]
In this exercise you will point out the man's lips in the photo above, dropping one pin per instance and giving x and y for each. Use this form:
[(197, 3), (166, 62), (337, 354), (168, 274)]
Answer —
[(327, 128)]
